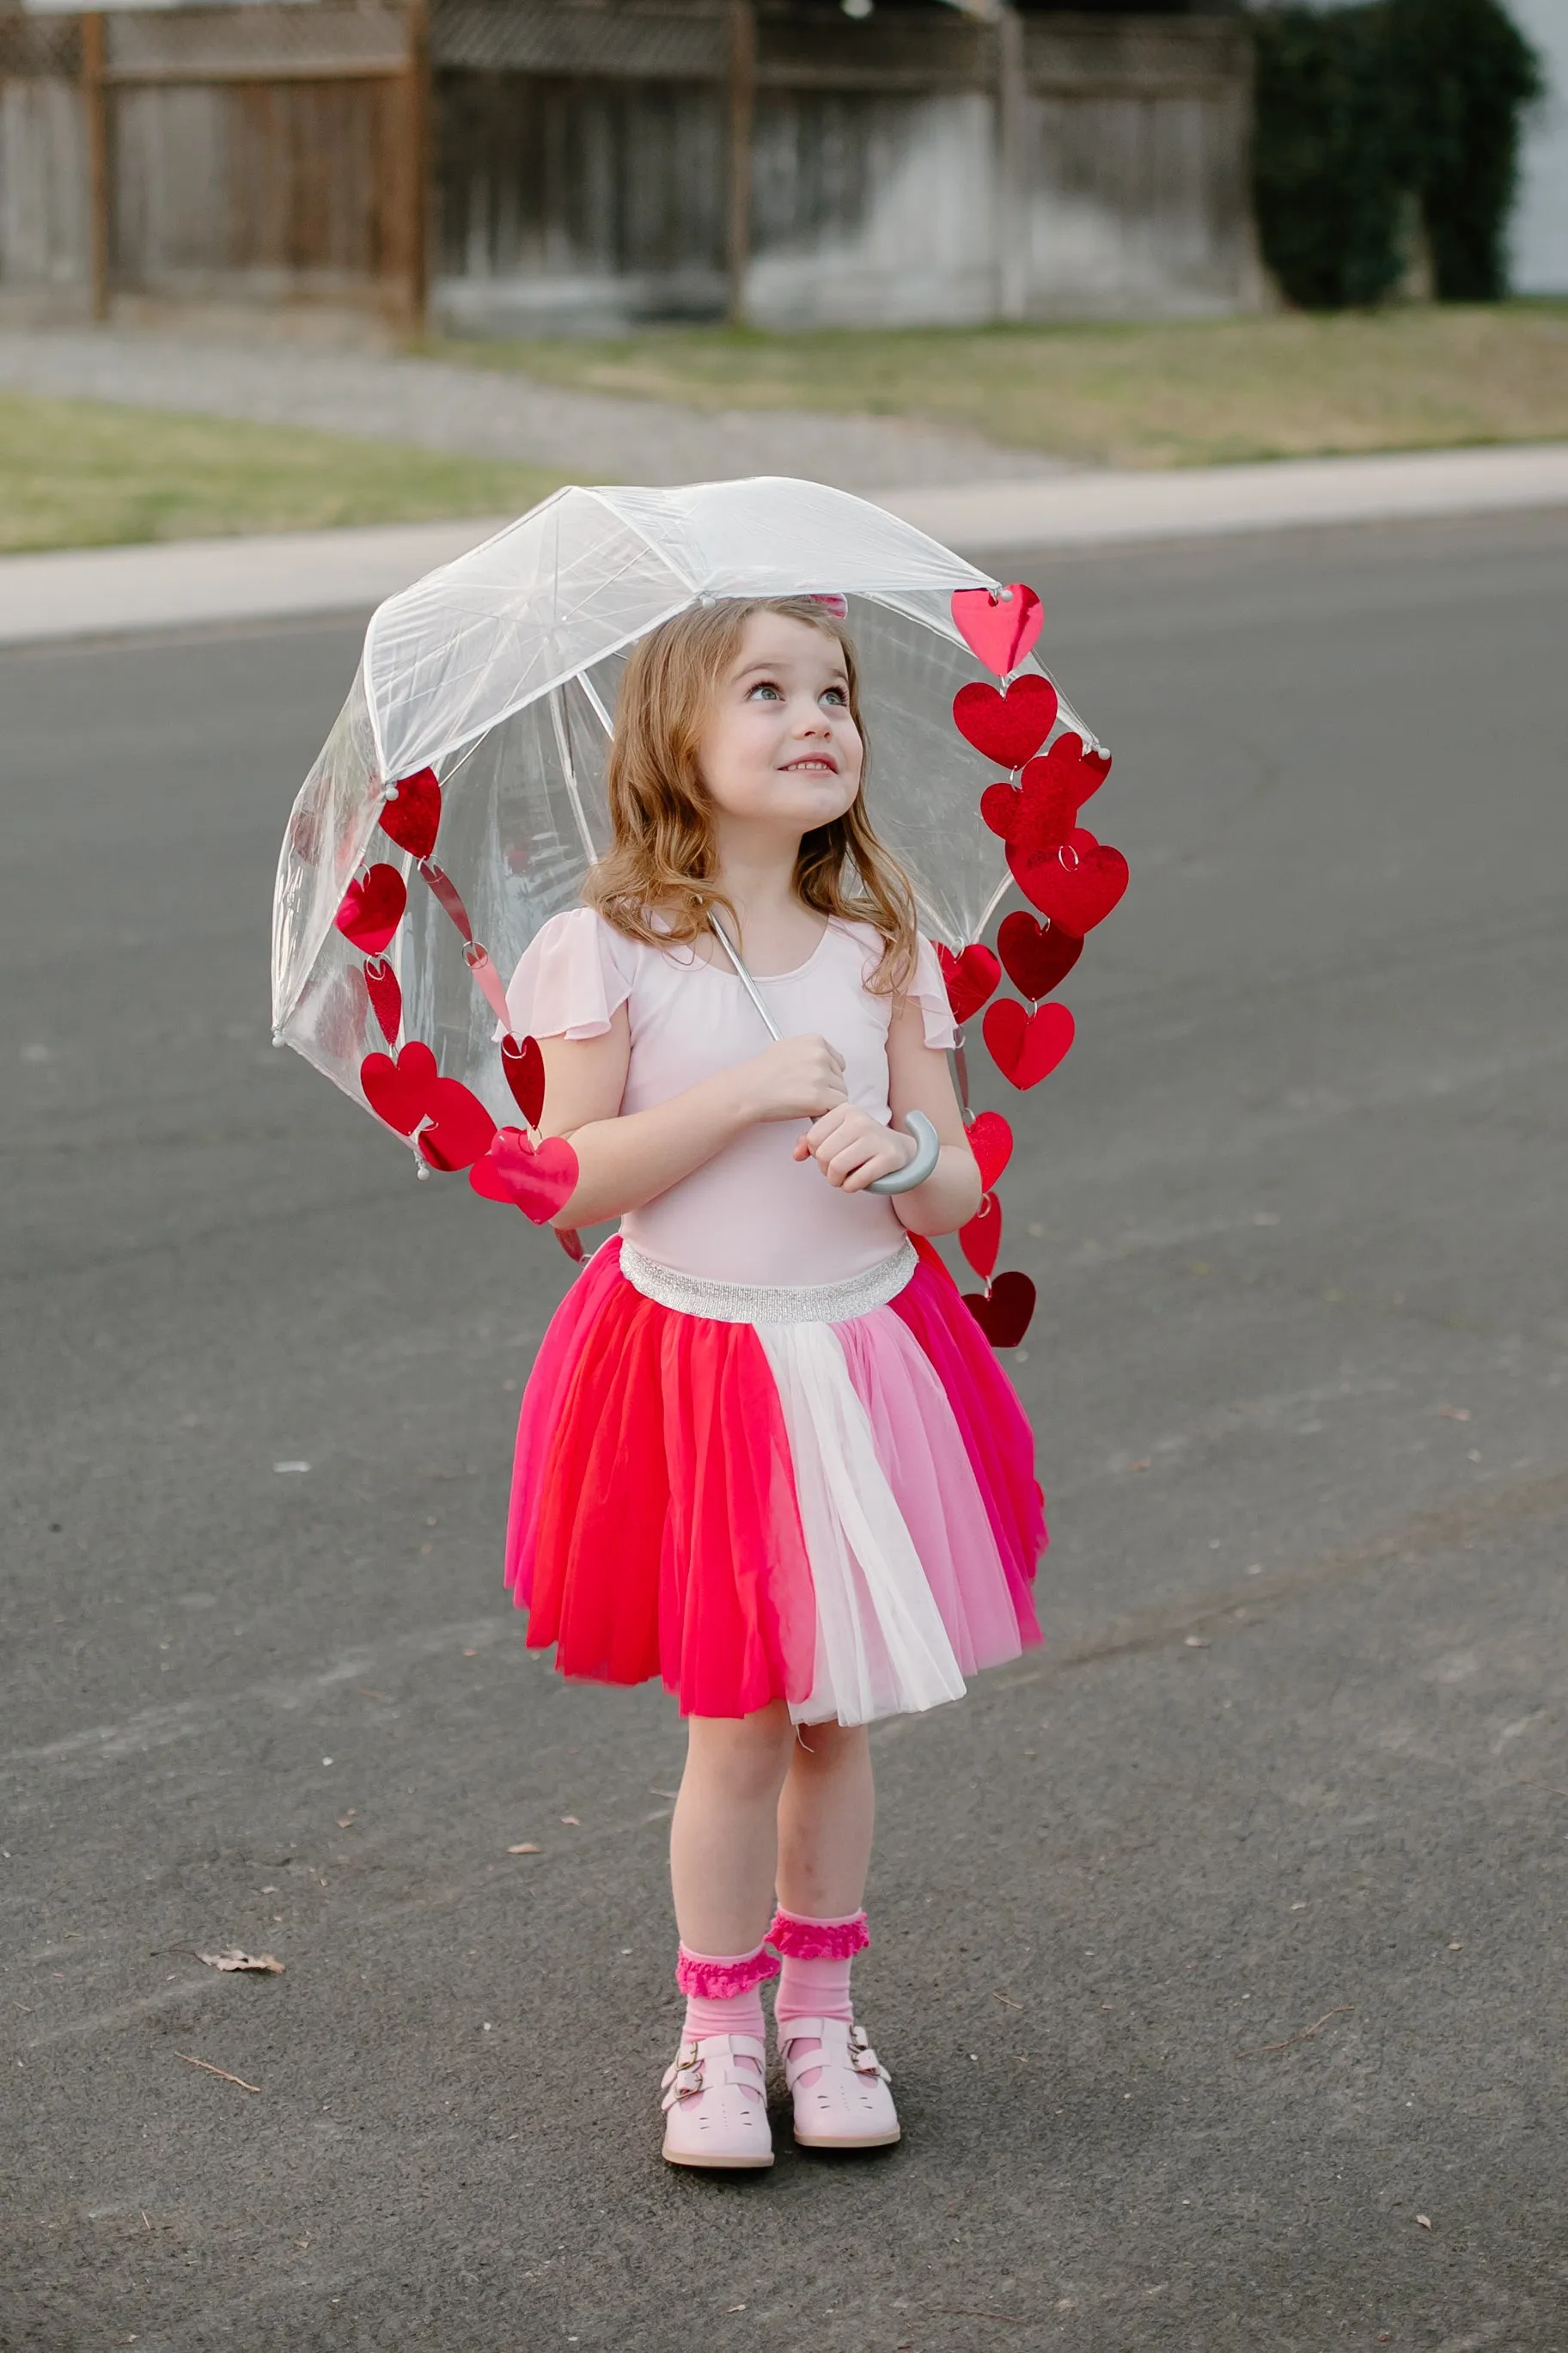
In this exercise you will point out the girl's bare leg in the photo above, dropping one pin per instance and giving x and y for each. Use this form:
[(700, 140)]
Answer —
[(827, 1813), (723, 1841)]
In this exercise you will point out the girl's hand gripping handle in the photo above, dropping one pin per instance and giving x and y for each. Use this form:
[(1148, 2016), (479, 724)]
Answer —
[(928, 1148)]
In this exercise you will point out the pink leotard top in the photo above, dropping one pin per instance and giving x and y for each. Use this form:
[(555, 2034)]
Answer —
[(751, 1214)]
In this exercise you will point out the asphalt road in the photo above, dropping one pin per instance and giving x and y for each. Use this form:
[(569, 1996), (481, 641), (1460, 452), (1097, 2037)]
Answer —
[(1217, 1956)]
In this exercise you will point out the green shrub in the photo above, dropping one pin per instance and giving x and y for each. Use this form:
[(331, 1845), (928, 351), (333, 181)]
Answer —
[(1325, 182), (1361, 111), (1461, 71)]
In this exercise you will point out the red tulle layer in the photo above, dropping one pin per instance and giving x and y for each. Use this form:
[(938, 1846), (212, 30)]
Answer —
[(654, 1528)]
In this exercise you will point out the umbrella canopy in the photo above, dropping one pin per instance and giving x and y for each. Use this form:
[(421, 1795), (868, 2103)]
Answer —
[(460, 798)]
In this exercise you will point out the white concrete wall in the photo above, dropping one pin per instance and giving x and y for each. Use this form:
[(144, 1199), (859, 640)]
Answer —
[(1539, 233)]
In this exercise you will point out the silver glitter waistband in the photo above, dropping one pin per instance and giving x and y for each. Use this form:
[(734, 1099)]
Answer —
[(769, 1303)]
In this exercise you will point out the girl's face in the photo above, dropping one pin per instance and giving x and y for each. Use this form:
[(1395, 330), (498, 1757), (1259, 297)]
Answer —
[(780, 749)]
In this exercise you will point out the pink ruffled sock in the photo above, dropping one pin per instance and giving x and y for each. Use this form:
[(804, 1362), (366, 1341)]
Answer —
[(814, 1981), (723, 1993)]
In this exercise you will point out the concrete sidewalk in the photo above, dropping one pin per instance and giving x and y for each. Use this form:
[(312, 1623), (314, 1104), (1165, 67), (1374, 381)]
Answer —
[(93, 592)]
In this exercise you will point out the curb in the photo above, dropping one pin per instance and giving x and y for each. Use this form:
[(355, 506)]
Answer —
[(118, 591)]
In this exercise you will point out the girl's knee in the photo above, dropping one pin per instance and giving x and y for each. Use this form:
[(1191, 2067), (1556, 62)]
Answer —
[(749, 1753), (829, 1748)]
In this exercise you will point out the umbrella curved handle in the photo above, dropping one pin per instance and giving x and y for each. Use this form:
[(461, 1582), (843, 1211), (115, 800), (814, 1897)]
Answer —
[(927, 1145)]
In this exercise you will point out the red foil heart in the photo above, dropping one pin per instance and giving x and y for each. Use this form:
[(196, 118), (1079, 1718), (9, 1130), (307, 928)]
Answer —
[(999, 808), (1005, 1314), (1036, 957), (538, 1183), (385, 998), (1051, 791), (1098, 765), (1027, 1047), (524, 1068), (998, 631), (971, 976), (413, 818), (461, 1128), (1007, 727), (399, 1092), (981, 1238), (990, 1141), (372, 908), (1076, 886)]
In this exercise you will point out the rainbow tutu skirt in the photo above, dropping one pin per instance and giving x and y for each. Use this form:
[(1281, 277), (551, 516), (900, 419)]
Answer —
[(823, 1495)]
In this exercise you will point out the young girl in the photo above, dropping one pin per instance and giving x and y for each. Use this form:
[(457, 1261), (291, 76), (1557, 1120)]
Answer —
[(765, 1451)]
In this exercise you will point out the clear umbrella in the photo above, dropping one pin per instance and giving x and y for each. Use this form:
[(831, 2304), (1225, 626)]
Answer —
[(461, 798)]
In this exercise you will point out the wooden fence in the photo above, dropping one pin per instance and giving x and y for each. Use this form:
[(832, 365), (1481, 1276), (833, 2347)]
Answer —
[(527, 166), (266, 152), (595, 167)]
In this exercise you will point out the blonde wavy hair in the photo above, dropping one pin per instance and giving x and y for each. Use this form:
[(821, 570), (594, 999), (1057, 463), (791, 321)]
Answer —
[(663, 861)]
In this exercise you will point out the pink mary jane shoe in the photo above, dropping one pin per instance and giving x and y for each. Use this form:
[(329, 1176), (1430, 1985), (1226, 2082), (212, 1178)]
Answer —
[(841, 2089), (715, 2105)]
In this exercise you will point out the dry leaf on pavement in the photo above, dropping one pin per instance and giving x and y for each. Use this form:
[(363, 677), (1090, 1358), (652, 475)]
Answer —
[(527, 1847), (264, 1964)]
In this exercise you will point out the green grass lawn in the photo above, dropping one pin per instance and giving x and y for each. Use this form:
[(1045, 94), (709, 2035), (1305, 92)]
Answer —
[(1169, 393), (83, 473), (79, 473)]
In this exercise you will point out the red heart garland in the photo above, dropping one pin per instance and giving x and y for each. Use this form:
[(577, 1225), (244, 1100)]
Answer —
[(399, 1092), (1037, 956), (385, 996), (1027, 1047), (990, 1141), (1066, 773), (524, 1068), (460, 1129), (372, 908), (1076, 886), (998, 630), (413, 816), (970, 975), (1006, 1313), (981, 1238), (1007, 727), (1051, 791), (538, 1183)]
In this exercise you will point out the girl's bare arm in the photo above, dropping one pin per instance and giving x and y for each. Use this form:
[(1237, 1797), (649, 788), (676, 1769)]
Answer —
[(626, 1159), (920, 1081)]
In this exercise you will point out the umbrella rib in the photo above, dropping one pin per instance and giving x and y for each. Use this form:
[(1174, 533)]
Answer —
[(564, 748)]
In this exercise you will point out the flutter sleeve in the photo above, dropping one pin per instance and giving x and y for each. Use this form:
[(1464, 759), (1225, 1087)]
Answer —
[(928, 990), (570, 978)]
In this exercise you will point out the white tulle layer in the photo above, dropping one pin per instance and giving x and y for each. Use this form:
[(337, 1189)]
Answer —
[(909, 1588)]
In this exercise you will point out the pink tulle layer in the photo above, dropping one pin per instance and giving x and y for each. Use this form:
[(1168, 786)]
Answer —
[(654, 1528)]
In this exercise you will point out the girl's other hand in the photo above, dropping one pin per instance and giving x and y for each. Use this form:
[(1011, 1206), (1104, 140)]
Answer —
[(798, 1078), (852, 1149)]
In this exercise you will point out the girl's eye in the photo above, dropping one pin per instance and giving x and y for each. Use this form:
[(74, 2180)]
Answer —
[(836, 694), (765, 686)]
